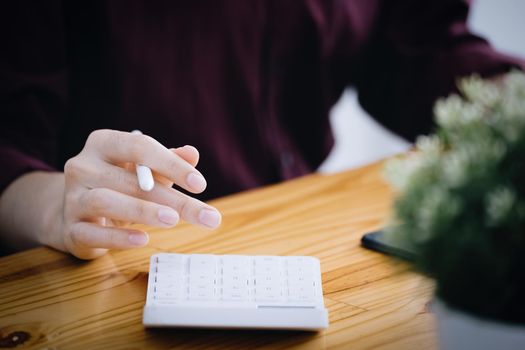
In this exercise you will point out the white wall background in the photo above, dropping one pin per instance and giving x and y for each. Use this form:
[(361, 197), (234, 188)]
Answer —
[(360, 140)]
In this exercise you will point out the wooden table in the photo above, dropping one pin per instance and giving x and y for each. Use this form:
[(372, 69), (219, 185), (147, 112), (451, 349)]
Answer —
[(51, 300)]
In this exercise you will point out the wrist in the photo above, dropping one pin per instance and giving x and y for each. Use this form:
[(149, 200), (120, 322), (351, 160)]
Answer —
[(51, 219), (30, 211)]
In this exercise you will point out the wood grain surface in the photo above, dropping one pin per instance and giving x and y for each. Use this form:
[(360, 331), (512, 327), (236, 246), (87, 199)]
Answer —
[(50, 300)]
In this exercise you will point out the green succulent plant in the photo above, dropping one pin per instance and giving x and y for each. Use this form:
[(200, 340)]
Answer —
[(461, 199)]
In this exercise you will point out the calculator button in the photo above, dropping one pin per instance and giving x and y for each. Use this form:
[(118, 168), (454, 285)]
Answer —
[(267, 270), (235, 270), (235, 280), (202, 275), (169, 286), (298, 271), (299, 280), (203, 261), (171, 294), (235, 288), (202, 279), (170, 268), (267, 293), (266, 262), (261, 259), (164, 278), (301, 294), (267, 280), (234, 297), (170, 258), (201, 292), (234, 293), (300, 261), (268, 290), (267, 297), (235, 260)]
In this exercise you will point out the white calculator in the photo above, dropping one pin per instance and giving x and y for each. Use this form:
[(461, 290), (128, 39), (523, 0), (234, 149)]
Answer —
[(235, 291)]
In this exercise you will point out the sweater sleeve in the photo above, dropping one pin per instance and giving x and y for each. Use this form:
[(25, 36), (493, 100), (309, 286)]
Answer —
[(415, 55), (33, 86)]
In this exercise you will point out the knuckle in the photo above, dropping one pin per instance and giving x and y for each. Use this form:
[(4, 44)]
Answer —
[(97, 136), (103, 139), (109, 176), (129, 181), (140, 209), (138, 144), (69, 165), (97, 200), (133, 189), (73, 167), (114, 239), (135, 149), (93, 138), (71, 200), (187, 208), (116, 139), (128, 178), (175, 168), (77, 235)]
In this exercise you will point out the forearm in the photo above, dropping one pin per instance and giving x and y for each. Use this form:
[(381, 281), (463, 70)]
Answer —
[(31, 211)]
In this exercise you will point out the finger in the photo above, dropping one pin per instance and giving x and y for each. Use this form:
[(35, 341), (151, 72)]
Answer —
[(90, 235), (188, 153), (117, 147), (104, 202), (190, 209)]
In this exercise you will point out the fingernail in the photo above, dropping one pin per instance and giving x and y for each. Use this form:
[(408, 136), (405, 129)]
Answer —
[(209, 218), (196, 182), (168, 216), (138, 239)]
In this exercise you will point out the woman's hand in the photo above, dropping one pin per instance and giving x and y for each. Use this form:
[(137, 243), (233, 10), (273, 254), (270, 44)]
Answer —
[(101, 193)]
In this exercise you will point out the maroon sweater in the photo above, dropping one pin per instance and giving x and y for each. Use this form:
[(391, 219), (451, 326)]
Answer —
[(248, 82)]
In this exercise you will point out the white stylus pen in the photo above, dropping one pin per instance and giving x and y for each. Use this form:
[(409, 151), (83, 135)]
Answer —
[(144, 174)]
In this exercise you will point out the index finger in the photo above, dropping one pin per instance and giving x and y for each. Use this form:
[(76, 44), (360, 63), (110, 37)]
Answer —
[(117, 147)]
